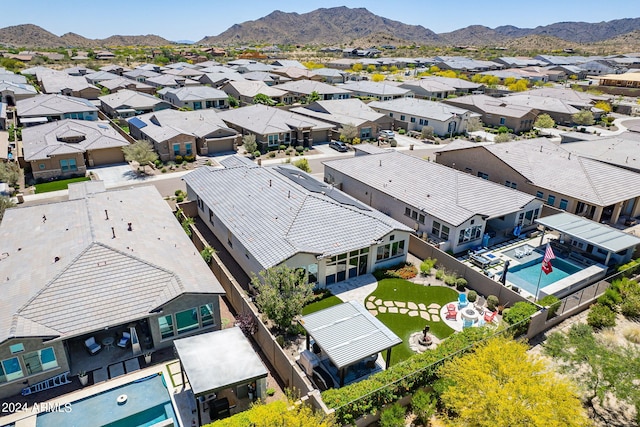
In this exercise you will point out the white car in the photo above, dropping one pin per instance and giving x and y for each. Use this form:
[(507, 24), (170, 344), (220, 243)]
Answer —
[(387, 134)]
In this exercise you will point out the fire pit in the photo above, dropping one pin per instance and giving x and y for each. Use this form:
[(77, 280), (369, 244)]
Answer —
[(470, 314)]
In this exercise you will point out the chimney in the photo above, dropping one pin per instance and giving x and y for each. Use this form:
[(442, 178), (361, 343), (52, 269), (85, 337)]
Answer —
[(113, 231), (129, 228), (106, 214)]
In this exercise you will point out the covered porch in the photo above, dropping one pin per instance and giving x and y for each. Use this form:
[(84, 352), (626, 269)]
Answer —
[(223, 371)]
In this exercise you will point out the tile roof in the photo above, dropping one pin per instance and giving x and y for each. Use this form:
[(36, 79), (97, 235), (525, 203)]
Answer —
[(263, 120), (196, 93), (419, 107), (280, 211), (168, 123), (66, 275), (343, 111), (376, 88), (131, 99), (618, 150), (490, 105), (250, 88), (442, 192), (306, 87), (52, 105)]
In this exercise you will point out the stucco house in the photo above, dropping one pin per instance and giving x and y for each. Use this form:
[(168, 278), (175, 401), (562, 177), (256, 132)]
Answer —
[(244, 91), (195, 97), (107, 262), (11, 92), (449, 207), (45, 108), (301, 89), (281, 215), (498, 112), (128, 103), (381, 91), (67, 147)]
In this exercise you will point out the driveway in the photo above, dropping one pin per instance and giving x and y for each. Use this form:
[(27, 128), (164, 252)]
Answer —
[(117, 175)]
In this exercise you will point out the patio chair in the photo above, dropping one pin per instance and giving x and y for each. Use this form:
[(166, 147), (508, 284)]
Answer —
[(124, 340), (489, 316), (462, 301), (467, 323), (92, 346), (528, 250), (519, 253), (452, 314)]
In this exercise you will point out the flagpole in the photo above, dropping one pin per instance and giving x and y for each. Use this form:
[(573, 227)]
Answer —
[(539, 279)]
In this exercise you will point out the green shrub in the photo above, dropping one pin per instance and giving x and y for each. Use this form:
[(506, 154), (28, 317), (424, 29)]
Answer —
[(600, 316), (355, 141), (256, 154), (190, 158), (402, 131), (450, 279), (272, 154), (630, 307), (552, 303), (427, 265), (280, 341), (440, 274), (492, 302), (472, 296), (164, 170), (611, 298), (404, 270), (270, 391), (158, 163), (282, 147), (179, 158), (299, 148), (393, 416), (207, 254), (179, 199), (520, 311), (393, 142), (461, 283), (423, 405)]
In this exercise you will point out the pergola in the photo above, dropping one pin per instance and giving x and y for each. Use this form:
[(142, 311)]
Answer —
[(218, 360), (348, 333), (599, 235)]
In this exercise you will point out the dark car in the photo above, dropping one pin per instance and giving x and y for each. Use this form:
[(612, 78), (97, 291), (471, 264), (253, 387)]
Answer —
[(339, 146)]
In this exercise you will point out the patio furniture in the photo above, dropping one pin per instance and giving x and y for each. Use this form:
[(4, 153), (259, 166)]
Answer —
[(528, 250), (462, 301), (108, 342), (489, 316), (519, 253), (466, 323), (452, 314), (124, 340), (92, 346)]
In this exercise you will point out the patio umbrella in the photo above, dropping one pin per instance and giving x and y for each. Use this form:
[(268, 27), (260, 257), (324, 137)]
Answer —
[(503, 278)]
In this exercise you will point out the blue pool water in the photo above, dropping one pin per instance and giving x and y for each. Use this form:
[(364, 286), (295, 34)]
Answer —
[(148, 403), (525, 276)]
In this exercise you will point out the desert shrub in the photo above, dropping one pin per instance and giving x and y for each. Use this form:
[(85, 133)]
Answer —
[(611, 298), (450, 279), (393, 416), (393, 143), (440, 274), (158, 163), (472, 296), (299, 148), (164, 170), (552, 303), (492, 302), (461, 283), (630, 307), (423, 405), (356, 141), (519, 312), (256, 154), (272, 154), (402, 131), (399, 271), (190, 158), (601, 316), (632, 334), (282, 147), (179, 158), (427, 265)]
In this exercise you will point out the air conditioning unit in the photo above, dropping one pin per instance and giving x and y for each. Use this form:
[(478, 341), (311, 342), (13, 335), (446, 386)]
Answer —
[(308, 361)]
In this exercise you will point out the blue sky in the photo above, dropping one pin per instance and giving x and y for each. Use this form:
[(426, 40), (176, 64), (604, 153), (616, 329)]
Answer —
[(192, 20)]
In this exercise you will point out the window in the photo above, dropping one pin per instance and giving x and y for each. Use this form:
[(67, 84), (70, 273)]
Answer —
[(41, 166), (188, 150), (510, 184), (273, 140), (469, 234), (421, 218), (64, 165), (39, 361), (502, 120), (16, 348), (445, 233), (483, 175), (211, 216), (407, 211), (402, 117), (413, 119), (176, 149), (166, 326), (390, 250), (414, 215), (365, 133), (10, 370), (539, 194), (435, 228), (390, 114), (72, 165), (563, 204), (200, 203), (551, 200), (197, 105), (210, 104), (187, 321), (424, 122), (206, 315)]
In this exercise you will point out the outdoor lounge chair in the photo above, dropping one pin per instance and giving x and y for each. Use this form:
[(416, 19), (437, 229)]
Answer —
[(462, 301), (92, 346), (519, 253), (124, 340), (489, 316), (452, 314), (528, 250)]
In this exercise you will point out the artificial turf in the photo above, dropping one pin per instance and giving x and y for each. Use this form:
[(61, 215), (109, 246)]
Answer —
[(320, 305), (62, 184)]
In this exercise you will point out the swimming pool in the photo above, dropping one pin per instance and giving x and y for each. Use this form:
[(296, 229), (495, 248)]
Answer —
[(148, 403), (525, 276)]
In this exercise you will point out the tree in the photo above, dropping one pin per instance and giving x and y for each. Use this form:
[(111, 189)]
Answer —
[(377, 77), (261, 98), (348, 132), (302, 164), (249, 142), (603, 369), (282, 292), (518, 86), (141, 152), (427, 132), (474, 124), (10, 173), (277, 414), (356, 68), (233, 102), (5, 203), (500, 384), (502, 137), (583, 117), (371, 68), (544, 121), (313, 97), (604, 106)]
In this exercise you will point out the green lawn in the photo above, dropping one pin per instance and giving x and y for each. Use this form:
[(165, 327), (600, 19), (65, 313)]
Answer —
[(320, 305), (403, 325), (46, 187)]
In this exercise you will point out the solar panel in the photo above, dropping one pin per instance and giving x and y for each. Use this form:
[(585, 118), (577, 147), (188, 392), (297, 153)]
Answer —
[(137, 122)]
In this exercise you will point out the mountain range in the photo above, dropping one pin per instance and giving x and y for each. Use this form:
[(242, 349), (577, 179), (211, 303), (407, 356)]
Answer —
[(338, 26)]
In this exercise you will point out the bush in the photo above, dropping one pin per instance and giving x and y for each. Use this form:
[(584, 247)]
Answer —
[(393, 416), (299, 148), (630, 307), (472, 296), (600, 316), (164, 170), (423, 405), (450, 279), (272, 154), (158, 163), (503, 129), (492, 302), (403, 270), (440, 274), (461, 283), (632, 334), (178, 159), (282, 147), (402, 131), (256, 154), (179, 199), (427, 265), (520, 311), (552, 303), (611, 298), (270, 391), (355, 141), (393, 142), (190, 158)]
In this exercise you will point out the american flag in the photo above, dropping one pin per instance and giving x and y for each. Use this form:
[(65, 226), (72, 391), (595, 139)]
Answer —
[(546, 261)]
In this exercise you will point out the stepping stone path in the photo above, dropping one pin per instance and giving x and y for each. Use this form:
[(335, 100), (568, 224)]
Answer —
[(429, 313)]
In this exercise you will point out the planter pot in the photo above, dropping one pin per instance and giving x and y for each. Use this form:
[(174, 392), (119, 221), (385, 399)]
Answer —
[(84, 379), (147, 358)]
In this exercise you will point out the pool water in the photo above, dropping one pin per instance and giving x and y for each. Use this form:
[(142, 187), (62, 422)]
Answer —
[(148, 403), (526, 276)]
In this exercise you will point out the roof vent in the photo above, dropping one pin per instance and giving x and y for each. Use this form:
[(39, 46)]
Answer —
[(129, 227), (113, 232), (56, 259), (106, 214)]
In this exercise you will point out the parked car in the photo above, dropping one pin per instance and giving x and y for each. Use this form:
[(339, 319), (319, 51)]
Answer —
[(339, 146), (386, 134)]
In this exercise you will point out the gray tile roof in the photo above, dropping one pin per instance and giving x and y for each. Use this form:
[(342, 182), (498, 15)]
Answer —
[(52, 105), (44, 141), (343, 111), (251, 88), (490, 105), (376, 88), (419, 107), (264, 120), (196, 93), (57, 82), (17, 88), (450, 195), (600, 235), (619, 151), (348, 333), (553, 167), (200, 123), (306, 87), (124, 82), (275, 218), (126, 98), (67, 275)]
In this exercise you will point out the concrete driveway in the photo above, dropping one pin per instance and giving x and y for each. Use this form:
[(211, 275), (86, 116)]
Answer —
[(118, 175)]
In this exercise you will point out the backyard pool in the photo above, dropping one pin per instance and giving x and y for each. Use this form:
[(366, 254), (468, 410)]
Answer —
[(525, 276), (147, 403)]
